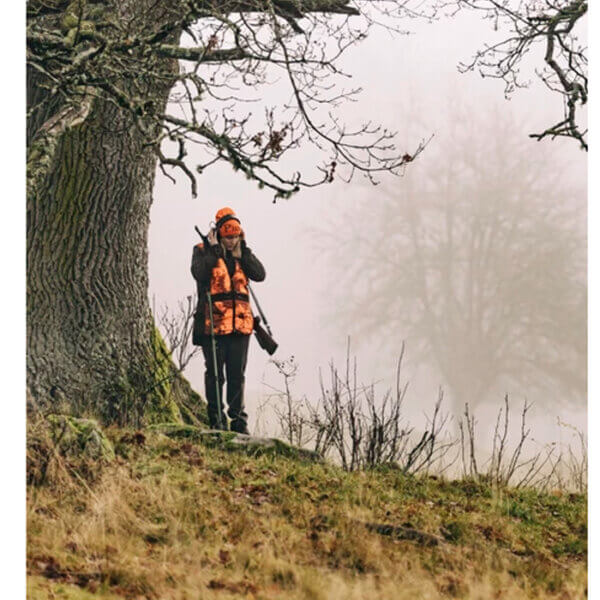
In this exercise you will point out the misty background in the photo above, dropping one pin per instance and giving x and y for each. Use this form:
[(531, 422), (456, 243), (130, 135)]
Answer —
[(339, 264)]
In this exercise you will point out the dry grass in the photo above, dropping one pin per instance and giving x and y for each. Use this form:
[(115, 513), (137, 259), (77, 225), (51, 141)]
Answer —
[(175, 520)]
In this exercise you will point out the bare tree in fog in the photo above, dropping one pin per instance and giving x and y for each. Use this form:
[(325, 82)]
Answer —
[(477, 257)]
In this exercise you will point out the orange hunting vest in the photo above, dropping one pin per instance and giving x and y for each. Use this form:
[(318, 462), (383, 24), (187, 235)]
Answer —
[(230, 301)]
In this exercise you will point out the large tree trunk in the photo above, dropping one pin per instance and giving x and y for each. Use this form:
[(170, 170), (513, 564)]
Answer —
[(92, 343)]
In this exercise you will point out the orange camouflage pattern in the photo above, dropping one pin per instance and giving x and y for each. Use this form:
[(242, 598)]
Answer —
[(232, 315)]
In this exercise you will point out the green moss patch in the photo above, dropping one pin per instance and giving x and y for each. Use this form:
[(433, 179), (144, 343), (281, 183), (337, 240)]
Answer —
[(80, 438)]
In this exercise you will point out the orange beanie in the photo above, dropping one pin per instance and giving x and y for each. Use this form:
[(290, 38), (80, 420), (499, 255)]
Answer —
[(230, 227)]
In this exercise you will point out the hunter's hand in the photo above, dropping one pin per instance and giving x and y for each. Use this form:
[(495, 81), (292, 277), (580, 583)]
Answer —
[(212, 237), (236, 251)]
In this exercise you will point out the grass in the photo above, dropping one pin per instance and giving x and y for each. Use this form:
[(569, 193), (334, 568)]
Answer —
[(176, 519)]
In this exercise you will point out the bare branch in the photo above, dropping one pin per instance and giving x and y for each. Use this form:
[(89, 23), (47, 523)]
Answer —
[(550, 23)]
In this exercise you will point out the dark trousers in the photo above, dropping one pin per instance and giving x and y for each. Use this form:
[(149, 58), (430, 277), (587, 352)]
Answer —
[(232, 353)]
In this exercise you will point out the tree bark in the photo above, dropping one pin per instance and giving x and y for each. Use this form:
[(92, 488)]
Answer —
[(91, 340)]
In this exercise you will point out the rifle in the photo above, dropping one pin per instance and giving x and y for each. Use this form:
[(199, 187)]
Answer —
[(265, 339), (202, 237)]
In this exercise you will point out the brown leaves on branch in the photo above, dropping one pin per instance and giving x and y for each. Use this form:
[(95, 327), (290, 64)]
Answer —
[(131, 57), (275, 140)]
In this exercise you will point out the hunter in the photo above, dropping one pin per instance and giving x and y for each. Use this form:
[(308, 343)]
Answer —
[(223, 269)]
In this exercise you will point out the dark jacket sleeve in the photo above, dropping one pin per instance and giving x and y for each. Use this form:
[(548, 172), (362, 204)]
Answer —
[(203, 262), (251, 265)]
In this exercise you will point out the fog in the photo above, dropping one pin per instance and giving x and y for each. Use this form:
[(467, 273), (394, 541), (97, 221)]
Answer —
[(410, 84)]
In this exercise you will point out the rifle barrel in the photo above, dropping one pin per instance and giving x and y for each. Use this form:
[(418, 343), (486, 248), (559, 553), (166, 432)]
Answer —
[(260, 312)]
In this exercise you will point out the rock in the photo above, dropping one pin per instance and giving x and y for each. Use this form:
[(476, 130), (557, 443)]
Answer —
[(80, 437), (229, 440), (178, 431), (257, 445)]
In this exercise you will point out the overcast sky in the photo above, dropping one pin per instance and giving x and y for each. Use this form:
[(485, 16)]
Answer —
[(394, 72)]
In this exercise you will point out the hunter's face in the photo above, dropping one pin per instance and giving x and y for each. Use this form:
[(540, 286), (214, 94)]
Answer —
[(230, 241)]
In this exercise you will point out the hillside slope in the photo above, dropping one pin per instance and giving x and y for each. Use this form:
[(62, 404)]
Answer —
[(181, 519)]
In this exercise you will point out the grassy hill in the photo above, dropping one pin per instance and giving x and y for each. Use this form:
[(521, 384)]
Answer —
[(180, 518)]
